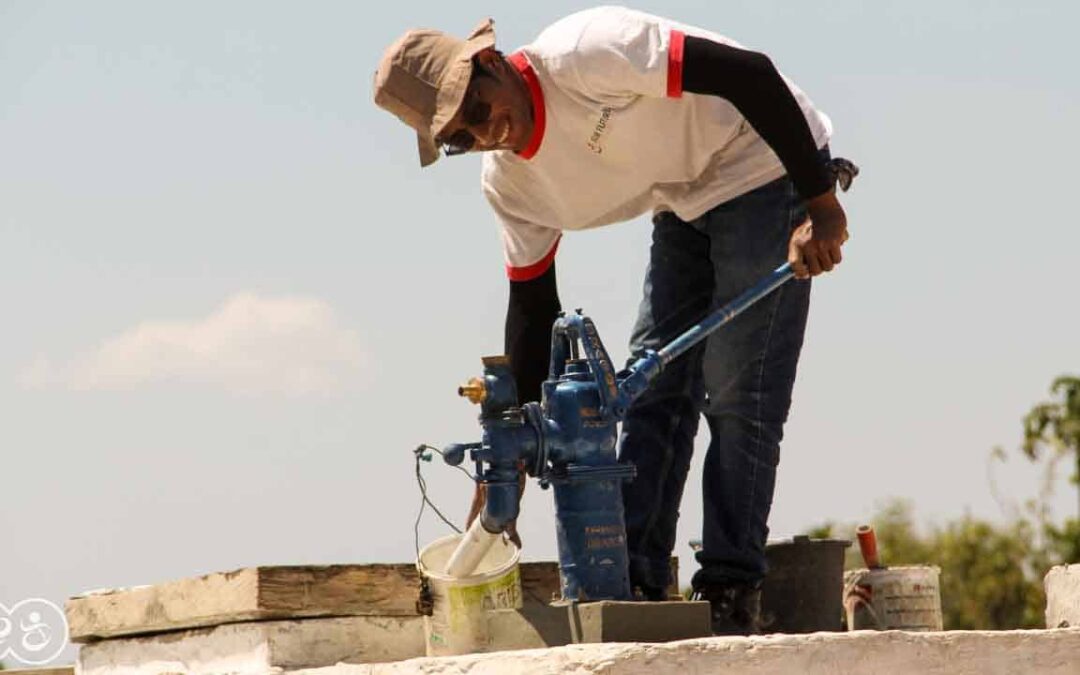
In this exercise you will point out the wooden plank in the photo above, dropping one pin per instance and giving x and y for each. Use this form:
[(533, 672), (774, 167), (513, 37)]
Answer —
[(261, 593), (540, 581), (187, 603), (338, 590), (273, 592)]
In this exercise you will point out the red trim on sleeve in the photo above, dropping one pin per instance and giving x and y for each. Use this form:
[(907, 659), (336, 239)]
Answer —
[(539, 119), (675, 64), (530, 272)]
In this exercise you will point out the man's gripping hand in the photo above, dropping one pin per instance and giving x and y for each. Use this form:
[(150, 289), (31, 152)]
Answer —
[(815, 244)]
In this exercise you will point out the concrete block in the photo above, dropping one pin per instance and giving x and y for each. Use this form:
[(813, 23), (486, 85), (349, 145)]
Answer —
[(639, 621), (258, 647), (531, 627), (606, 621), (1062, 585)]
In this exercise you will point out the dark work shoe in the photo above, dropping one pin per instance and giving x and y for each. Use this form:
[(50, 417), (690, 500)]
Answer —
[(647, 583), (736, 608)]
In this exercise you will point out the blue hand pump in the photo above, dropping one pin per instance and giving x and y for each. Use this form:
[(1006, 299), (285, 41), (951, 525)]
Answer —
[(567, 441)]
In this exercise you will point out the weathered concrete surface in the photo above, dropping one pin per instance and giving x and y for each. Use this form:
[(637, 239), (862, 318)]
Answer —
[(1063, 597), (1046, 652), (258, 647)]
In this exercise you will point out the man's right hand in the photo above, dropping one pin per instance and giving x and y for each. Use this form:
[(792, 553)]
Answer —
[(814, 246)]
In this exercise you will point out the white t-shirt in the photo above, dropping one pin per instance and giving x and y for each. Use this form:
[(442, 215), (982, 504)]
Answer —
[(615, 136)]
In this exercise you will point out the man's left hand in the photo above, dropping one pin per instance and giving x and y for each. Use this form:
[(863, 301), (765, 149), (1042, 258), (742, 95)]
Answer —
[(815, 245)]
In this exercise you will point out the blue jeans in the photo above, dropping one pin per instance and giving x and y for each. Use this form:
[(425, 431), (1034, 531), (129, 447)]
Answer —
[(740, 379)]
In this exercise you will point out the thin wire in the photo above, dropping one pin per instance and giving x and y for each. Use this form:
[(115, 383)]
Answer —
[(425, 501)]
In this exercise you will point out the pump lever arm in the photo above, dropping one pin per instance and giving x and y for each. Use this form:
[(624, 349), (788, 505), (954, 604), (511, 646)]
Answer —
[(637, 377)]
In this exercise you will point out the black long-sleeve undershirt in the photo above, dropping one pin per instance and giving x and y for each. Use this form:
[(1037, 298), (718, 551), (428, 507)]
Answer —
[(533, 307), (753, 85), (750, 81)]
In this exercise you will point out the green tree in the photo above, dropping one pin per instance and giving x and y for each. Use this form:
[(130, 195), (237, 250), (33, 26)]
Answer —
[(1063, 543), (991, 575), (1052, 428)]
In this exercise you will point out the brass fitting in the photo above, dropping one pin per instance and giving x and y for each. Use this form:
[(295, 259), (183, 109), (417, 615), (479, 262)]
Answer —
[(474, 390)]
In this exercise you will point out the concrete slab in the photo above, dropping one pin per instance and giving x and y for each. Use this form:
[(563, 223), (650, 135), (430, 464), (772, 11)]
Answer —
[(537, 626), (1047, 652), (1063, 596), (257, 647)]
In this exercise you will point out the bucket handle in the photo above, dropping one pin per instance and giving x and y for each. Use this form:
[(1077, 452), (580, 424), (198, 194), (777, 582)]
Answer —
[(425, 601)]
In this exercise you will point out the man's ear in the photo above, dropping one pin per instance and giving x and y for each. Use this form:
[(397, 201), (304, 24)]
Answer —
[(489, 58)]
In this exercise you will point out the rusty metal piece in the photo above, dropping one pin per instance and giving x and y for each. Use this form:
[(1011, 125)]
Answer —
[(474, 390)]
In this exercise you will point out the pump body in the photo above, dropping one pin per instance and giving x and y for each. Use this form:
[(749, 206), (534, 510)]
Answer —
[(568, 439)]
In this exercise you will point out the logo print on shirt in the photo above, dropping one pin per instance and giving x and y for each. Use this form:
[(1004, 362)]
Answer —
[(594, 140)]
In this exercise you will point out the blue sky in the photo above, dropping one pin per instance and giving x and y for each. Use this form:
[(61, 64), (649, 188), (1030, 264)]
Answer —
[(234, 303)]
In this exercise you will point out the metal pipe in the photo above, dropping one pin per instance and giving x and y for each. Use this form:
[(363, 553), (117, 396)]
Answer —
[(718, 318)]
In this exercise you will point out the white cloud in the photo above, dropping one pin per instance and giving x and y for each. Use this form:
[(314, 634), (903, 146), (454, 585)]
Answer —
[(251, 344)]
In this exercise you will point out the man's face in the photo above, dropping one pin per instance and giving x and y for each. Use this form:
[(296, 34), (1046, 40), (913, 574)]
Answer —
[(496, 113)]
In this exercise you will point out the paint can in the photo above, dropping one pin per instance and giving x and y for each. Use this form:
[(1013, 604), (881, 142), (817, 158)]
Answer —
[(893, 598), (458, 620)]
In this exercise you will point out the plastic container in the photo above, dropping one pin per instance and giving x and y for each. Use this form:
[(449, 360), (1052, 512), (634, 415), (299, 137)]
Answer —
[(458, 621), (803, 588), (893, 598)]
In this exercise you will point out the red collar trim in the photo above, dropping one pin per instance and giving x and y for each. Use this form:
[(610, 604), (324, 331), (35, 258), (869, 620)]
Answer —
[(525, 68)]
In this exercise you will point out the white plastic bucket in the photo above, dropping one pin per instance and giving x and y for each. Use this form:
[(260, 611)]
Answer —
[(893, 598), (458, 622)]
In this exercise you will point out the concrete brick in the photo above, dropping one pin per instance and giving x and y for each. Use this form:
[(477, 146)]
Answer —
[(551, 626), (639, 621), (1063, 597)]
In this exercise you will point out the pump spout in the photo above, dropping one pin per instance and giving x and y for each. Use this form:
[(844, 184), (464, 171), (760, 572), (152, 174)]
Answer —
[(501, 507), (499, 511)]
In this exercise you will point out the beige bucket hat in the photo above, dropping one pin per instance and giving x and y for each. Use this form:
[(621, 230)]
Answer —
[(422, 79)]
